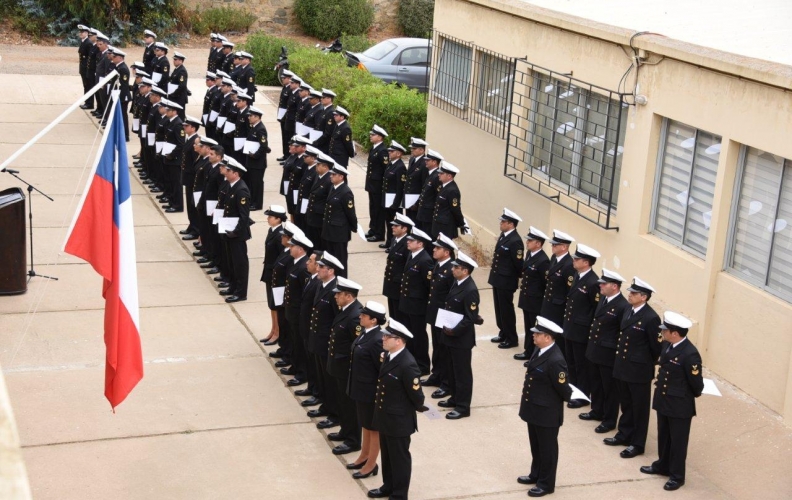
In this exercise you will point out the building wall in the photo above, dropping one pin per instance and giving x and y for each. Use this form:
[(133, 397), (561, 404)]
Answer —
[(745, 334)]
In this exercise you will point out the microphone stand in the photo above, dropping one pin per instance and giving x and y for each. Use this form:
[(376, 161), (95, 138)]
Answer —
[(30, 188)]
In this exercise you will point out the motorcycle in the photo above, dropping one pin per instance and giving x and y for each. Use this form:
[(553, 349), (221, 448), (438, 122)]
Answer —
[(283, 63), (334, 48)]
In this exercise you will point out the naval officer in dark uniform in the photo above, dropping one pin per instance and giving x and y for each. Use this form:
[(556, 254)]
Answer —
[(375, 170), (581, 303), (237, 206), (447, 217), (560, 276), (394, 264), (428, 197), (340, 220), (416, 175), (679, 383), (507, 263), (393, 185), (601, 352), (414, 296), (341, 147), (398, 397), (532, 287), (637, 350), (545, 389)]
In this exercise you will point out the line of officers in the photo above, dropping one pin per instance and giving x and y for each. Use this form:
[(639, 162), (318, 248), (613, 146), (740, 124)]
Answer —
[(588, 334)]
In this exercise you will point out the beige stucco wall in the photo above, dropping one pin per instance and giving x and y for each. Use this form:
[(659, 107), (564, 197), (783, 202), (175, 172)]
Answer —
[(745, 334)]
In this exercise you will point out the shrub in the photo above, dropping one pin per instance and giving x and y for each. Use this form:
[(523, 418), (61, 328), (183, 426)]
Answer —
[(265, 50), (328, 19), (356, 43), (218, 20), (329, 71), (416, 17)]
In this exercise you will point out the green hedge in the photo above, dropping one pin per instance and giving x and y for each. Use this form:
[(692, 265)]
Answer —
[(328, 19), (265, 50), (416, 17), (218, 20)]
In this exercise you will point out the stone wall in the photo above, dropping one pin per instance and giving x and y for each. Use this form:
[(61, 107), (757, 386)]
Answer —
[(278, 15)]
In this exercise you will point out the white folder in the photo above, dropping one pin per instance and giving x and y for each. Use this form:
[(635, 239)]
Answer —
[(221, 120), (143, 128), (389, 199), (239, 143), (304, 206), (205, 117), (158, 145), (281, 113), (151, 138), (277, 295), (227, 224), (285, 186), (447, 318), (156, 77), (196, 197), (167, 148), (135, 124), (172, 88), (210, 206), (217, 214), (213, 116), (251, 147), (410, 200), (315, 134)]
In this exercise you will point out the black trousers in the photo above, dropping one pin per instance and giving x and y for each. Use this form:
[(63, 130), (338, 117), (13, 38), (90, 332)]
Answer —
[(254, 179), (544, 455), (192, 210), (125, 113), (207, 238), (314, 384), (460, 377), (419, 344), (439, 358), (394, 312), (88, 82), (299, 356), (175, 193), (425, 226), (238, 264), (604, 395), (284, 338), (673, 435), (339, 251), (315, 235), (377, 215), (396, 466), (578, 366), (529, 321), (388, 216), (285, 138), (505, 317), (634, 400), (347, 411), (328, 388)]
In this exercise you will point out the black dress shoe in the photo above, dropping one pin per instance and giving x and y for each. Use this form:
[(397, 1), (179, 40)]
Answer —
[(207, 265), (335, 436), (288, 371), (538, 492), (526, 364), (202, 260), (147, 182), (197, 244), (614, 441), (223, 284), (649, 469), (294, 382), (378, 493), (226, 292), (577, 403), (199, 253), (271, 342), (282, 363), (162, 196), (440, 394), (156, 190), (316, 412), (281, 158), (448, 403), (507, 345), (372, 239), (171, 210), (328, 424), (354, 466), (343, 449), (185, 231), (496, 339), (602, 429), (87, 107), (383, 245), (430, 382), (631, 452), (275, 354), (590, 416), (213, 270), (235, 298), (361, 475), (303, 392), (522, 356), (190, 237), (220, 279), (672, 485), (312, 401), (527, 480), (456, 415)]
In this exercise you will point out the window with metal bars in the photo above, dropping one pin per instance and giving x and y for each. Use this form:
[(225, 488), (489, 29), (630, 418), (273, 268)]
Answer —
[(761, 222), (685, 186)]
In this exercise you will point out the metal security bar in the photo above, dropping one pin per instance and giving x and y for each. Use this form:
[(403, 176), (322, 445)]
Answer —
[(565, 141), (472, 83)]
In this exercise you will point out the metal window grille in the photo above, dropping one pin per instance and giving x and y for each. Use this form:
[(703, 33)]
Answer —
[(761, 223), (471, 83), (565, 141)]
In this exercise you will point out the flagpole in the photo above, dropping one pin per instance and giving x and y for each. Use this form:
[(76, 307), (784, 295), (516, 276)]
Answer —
[(103, 142), (59, 119)]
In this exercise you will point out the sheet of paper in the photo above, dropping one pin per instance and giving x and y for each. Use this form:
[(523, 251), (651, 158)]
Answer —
[(295, 196), (158, 146), (301, 129), (410, 200), (361, 232), (156, 77), (304, 206), (196, 197), (210, 206), (167, 148), (285, 186), (252, 147), (281, 113), (229, 127), (389, 199), (578, 394), (432, 413), (143, 128), (315, 134), (221, 121), (172, 88), (151, 139), (277, 295), (227, 224), (217, 214), (212, 115), (710, 388), (447, 318), (135, 124), (239, 143), (204, 118)]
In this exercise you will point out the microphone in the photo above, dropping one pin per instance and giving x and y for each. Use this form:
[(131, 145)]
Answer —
[(10, 171)]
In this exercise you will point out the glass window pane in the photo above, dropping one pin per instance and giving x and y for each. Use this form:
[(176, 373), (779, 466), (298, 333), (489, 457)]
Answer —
[(702, 191), (495, 85), (780, 278), (453, 75), (673, 197)]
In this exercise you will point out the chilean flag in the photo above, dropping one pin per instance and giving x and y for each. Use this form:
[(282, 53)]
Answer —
[(102, 234)]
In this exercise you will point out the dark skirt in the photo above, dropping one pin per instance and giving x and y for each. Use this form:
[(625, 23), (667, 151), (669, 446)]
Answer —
[(270, 298), (365, 415)]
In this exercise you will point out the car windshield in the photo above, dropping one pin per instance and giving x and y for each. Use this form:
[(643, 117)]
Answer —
[(380, 50)]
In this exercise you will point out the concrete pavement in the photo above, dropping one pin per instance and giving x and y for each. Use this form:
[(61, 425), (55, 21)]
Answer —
[(212, 418)]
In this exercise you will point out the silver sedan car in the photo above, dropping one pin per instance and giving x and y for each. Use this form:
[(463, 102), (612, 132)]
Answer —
[(396, 60)]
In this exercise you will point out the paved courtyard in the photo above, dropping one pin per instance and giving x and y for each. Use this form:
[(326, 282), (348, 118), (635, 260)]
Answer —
[(212, 418)]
